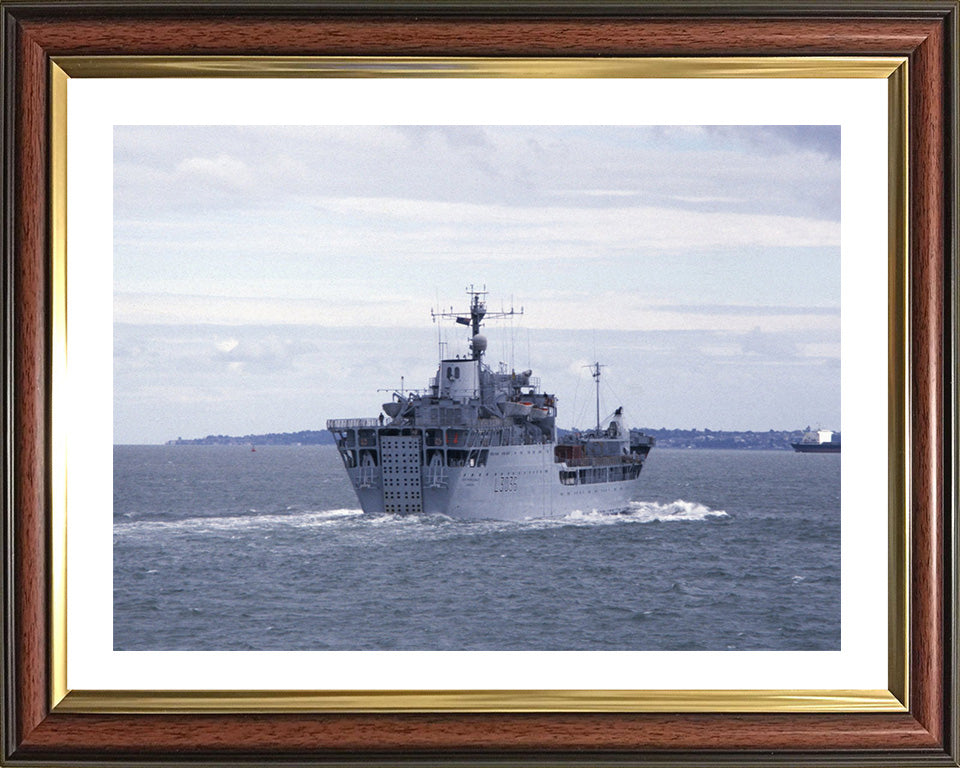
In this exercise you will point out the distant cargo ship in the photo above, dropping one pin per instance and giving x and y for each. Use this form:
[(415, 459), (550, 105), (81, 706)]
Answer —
[(821, 441)]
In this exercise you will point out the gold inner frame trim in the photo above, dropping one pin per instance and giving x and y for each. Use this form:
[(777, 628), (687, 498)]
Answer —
[(898, 383), (893, 69), (58, 371), (728, 701), (430, 66)]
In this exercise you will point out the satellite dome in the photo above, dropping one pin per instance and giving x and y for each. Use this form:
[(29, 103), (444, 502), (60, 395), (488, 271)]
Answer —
[(479, 343)]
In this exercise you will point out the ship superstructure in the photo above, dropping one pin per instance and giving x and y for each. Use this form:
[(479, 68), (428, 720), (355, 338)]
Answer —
[(483, 443)]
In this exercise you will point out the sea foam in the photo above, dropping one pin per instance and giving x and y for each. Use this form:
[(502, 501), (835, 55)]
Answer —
[(636, 512), (268, 521)]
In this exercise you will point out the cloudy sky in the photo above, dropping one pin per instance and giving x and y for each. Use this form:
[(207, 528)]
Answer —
[(269, 278)]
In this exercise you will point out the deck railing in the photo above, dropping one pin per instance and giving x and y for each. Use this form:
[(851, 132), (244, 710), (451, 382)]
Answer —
[(336, 424)]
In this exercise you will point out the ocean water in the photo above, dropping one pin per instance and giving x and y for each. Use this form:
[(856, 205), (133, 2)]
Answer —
[(222, 548)]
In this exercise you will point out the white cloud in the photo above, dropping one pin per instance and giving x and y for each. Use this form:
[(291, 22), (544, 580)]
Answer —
[(705, 199), (173, 309), (219, 170), (829, 349), (673, 244), (637, 226), (171, 380), (597, 193), (600, 311), (518, 165)]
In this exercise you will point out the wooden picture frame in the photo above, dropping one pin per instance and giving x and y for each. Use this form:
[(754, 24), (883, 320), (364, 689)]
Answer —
[(38, 732)]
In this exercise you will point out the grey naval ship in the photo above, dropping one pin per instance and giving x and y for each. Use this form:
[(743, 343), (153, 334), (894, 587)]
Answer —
[(483, 444)]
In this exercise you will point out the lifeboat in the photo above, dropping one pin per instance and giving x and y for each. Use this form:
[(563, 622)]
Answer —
[(540, 412), (514, 408)]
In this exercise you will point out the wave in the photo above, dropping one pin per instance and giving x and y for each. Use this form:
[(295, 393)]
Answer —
[(679, 510), (635, 512), (355, 519), (201, 524)]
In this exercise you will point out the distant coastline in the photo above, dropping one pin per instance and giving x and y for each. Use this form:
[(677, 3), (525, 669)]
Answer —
[(775, 440)]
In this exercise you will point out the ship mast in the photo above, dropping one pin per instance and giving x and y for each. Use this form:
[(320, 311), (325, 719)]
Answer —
[(595, 372), (478, 311)]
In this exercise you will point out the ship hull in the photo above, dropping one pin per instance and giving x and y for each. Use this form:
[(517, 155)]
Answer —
[(816, 447), (512, 483), (523, 482)]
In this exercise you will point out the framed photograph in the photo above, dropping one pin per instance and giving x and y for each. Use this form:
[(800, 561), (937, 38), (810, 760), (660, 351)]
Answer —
[(682, 232)]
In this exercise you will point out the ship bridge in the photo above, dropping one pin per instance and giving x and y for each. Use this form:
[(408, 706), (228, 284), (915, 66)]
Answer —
[(459, 379)]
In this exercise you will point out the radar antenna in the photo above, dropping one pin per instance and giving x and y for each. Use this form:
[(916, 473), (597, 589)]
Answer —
[(478, 312)]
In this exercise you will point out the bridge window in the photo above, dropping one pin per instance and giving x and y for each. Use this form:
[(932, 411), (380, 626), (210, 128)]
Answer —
[(456, 458)]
